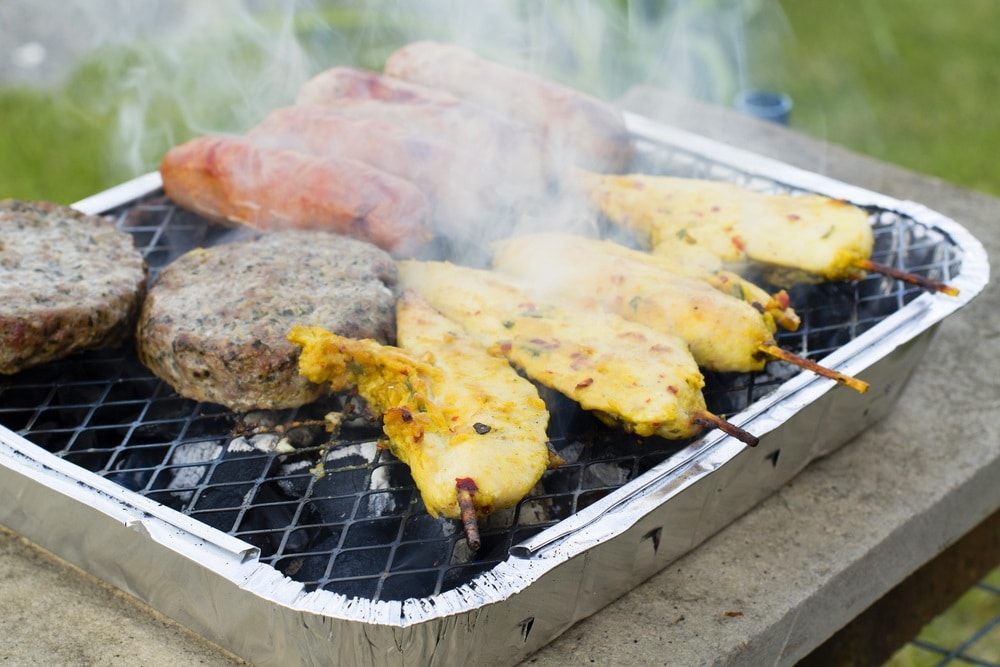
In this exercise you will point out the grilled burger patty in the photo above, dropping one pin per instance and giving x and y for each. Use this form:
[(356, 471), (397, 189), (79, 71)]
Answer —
[(214, 323), (68, 282)]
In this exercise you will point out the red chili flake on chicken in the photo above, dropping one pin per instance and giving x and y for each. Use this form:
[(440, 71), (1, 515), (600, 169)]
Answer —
[(673, 390), (585, 383), (739, 242), (578, 360)]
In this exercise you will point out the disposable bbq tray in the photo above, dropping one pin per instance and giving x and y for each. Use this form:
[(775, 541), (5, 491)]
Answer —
[(260, 533)]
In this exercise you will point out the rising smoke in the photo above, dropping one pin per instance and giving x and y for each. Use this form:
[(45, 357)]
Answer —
[(163, 71)]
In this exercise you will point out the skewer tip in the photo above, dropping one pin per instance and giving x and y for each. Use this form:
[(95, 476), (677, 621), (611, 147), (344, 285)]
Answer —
[(920, 281), (466, 488), (854, 383), (710, 420)]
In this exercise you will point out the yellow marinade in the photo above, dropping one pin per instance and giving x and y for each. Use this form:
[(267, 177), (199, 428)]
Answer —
[(723, 333), (799, 237), (629, 375), (451, 410)]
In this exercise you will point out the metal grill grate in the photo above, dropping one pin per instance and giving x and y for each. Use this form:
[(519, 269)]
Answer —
[(343, 514)]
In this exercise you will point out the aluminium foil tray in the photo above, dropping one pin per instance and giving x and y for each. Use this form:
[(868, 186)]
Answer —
[(219, 586)]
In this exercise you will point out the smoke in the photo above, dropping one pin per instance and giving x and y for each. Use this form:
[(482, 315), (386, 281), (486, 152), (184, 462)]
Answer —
[(162, 71)]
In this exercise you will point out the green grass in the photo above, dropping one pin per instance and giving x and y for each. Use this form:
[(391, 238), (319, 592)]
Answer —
[(912, 82), (49, 152)]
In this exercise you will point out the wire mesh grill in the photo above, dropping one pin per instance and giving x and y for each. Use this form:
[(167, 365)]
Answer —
[(966, 634), (341, 513)]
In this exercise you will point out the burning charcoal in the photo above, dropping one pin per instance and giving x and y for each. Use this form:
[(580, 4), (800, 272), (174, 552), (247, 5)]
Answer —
[(409, 585), (187, 475), (498, 520), (493, 547), (369, 533), (136, 467), (377, 504), (535, 510), (360, 563), (348, 471), (269, 519), (605, 474), (302, 436), (295, 477), (571, 451), (231, 485), (420, 555)]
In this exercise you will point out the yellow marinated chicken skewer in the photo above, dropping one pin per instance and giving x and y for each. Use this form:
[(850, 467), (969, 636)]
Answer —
[(627, 374), (471, 430), (802, 238), (697, 262), (724, 334)]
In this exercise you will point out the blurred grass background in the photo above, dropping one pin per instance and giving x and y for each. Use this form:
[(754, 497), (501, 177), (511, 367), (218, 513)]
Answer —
[(911, 82)]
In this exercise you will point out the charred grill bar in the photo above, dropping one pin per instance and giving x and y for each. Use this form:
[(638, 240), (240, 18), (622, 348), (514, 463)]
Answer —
[(357, 530)]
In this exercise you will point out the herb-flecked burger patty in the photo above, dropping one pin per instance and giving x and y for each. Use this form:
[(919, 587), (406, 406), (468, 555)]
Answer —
[(215, 321), (68, 282)]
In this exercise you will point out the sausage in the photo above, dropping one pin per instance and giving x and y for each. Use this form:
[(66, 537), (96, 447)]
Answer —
[(366, 84), (231, 179), (461, 186), (579, 129), (516, 152)]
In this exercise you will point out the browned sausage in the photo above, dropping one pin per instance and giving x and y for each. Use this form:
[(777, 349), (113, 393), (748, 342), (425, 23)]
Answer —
[(515, 152), (366, 84), (578, 128), (227, 178), (463, 188)]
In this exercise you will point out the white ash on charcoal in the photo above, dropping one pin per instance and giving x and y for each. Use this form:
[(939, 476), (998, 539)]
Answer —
[(352, 488), (184, 463), (239, 495)]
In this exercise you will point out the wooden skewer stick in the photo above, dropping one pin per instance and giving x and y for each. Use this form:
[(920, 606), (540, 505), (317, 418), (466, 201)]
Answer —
[(714, 421), (466, 487), (778, 353), (927, 283)]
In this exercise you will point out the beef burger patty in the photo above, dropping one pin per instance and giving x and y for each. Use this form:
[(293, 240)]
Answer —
[(68, 282), (214, 323)]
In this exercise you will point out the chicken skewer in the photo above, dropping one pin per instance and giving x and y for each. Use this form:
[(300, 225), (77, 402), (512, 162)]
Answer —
[(697, 262), (797, 238), (724, 334), (471, 430), (627, 374)]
